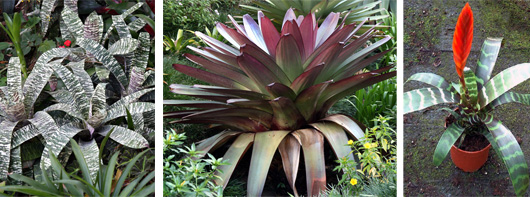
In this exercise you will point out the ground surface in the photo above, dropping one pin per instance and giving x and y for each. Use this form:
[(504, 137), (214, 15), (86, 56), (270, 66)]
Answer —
[(428, 30)]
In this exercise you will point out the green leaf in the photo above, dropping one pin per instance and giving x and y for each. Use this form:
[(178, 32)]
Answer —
[(336, 137), (508, 97), (352, 127), (265, 145), (46, 45), (432, 79), (126, 172), (471, 86), (503, 82), (488, 56), (449, 137), (511, 154), (109, 174), (285, 114), (90, 164), (419, 99)]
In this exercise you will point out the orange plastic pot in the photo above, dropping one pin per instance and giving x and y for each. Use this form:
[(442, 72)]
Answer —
[(469, 161)]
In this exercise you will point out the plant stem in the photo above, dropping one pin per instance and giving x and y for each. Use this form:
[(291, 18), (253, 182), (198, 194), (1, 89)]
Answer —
[(20, 55)]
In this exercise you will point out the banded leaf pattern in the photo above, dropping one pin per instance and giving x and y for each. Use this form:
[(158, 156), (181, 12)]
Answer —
[(449, 137), (45, 14), (121, 26), (5, 146), (125, 136), (432, 79), (93, 28), (508, 97), (419, 99), (471, 86), (511, 154), (488, 56), (503, 82), (73, 22)]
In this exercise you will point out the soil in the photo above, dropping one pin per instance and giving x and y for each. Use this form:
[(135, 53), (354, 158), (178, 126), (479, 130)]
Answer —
[(473, 143), (428, 30)]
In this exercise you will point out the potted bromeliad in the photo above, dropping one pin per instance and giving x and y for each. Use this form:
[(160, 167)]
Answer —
[(477, 95), (274, 89)]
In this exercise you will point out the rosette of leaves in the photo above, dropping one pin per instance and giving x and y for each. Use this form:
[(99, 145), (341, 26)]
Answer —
[(110, 180), (359, 10), (89, 115), (477, 95), (18, 121), (273, 91)]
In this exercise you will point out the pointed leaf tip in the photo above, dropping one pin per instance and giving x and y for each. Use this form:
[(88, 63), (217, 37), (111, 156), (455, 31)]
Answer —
[(462, 40)]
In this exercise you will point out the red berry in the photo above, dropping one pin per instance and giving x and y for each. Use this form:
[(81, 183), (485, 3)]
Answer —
[(67, 43)]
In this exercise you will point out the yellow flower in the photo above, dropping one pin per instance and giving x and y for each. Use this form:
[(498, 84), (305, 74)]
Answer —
[(353, 181), (350, 142), (367, 145), (386, 141), (182, 184), (169, 138)]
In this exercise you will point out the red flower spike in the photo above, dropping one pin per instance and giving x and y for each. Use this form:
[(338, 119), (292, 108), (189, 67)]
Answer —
[(462, 40), (67, 43)]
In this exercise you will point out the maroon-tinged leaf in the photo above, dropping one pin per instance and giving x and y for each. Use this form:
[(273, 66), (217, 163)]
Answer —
[(280, 90), (285, 114), (253, 114), (308, 78), (354, 128), (289, 15), (179, 114), (365, 83), (254, 32), (336, 137), (288, 57), (240, 28), (266, 60), (229, 60), (291, 27), (232, 35), (224, 71), (199, 93), (238, 123), (356, 66), (307, 100), (326, 28), (234, 154), (232, 92), (307, 30), (258, 72), (340, 35), (270, 34), (218, 45), (362, 53), (356, 44), (214, 58), (197, 104), (313, 146), (265, 145), (208, 77), (289, 149), (262, 105), (208, 144), (328, 57)]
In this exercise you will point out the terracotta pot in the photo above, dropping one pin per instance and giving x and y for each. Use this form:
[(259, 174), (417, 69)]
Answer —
[(469, 161)]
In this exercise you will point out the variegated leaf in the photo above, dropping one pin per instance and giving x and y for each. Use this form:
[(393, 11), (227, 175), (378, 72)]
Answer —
[(45, 14), (90, 151), (511, 154), (63, 96), (123, 46), (74, 86), (14, 79), (69, 109), (78, 69), (98, 105), (503, 82), (72, 4), (125, 136), (471, 86), (432, 79), (40, 74), (134, 108), (449, 137), (129, 98), (508, 97), (488, 56), (93, 28), (101, 54), (5, 146), (74, 24), (121, 26), (15, 166), (139, 64), (106, 36), (65, 33), (137, 24), (131, 10), (419, 99), (24, 134), (102, 72)]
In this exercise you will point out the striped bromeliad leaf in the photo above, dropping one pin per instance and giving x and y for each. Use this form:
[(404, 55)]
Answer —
[(274, 89), (419, 99), (449, 137), (511, 154)]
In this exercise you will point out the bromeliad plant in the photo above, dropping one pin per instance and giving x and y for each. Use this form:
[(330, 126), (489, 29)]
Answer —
[(477, 95), (274, 89)]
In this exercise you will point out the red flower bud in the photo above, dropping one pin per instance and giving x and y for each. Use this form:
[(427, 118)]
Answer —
[(67, 43)]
